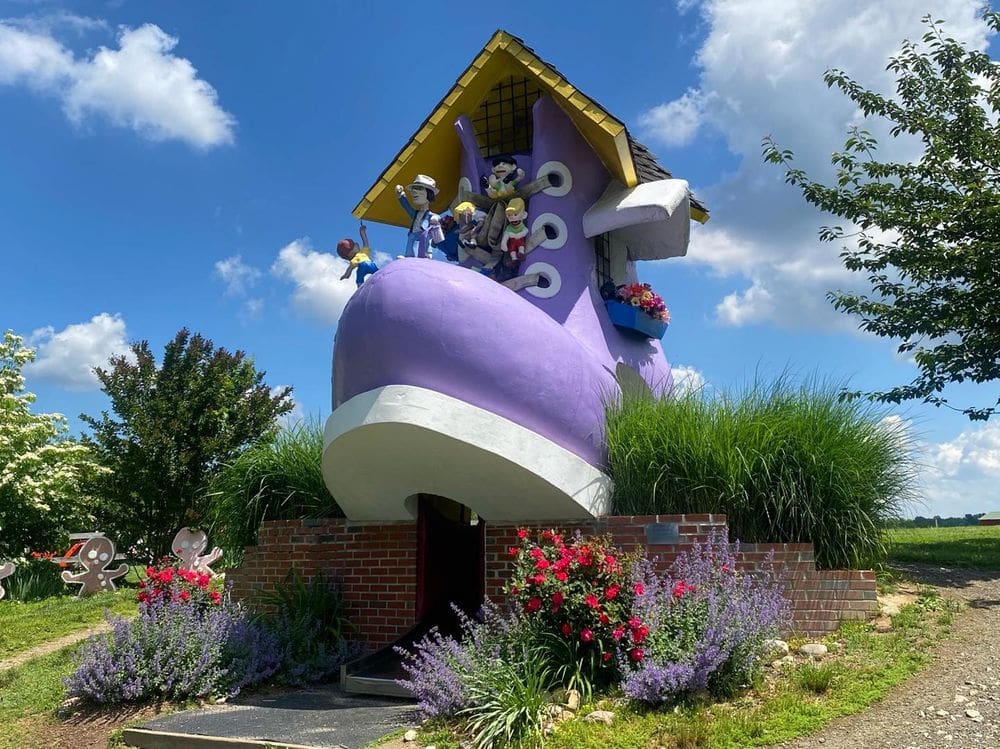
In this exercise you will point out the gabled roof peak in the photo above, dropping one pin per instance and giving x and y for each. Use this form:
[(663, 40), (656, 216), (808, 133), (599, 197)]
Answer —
[(434, 148)]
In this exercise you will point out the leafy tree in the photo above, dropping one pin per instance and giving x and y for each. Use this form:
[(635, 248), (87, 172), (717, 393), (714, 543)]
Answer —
[(927, 231), (174, 425), (42, 471)]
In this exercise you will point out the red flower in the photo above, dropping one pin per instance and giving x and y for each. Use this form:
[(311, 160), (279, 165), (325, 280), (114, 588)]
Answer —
[(639, 634), (557, 539), (604, 618), (639, 589), (536, 553), (522, 533), (605, 657), (726, 568), (618, 633), (512, 551), (546, 535), (184, 595), (586, 635), (538, 579), (562, 577), (557, 599), (635, 622), (215, 596), (542, 564), (534, 603), (636, 654), (566, 629), (611, 591), (514, 590), (591, 600)]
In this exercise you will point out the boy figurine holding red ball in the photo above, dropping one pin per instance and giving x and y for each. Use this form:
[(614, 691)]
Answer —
[(358, 257)]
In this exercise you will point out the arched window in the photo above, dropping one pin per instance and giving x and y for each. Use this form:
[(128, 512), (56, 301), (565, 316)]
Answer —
[(502, 122)]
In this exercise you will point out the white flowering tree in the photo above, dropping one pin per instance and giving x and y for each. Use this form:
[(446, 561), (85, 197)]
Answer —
[(43, 472)]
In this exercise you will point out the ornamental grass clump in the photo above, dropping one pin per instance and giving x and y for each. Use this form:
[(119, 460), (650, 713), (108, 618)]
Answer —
[(707, 622), (783, 462), (176, 648)]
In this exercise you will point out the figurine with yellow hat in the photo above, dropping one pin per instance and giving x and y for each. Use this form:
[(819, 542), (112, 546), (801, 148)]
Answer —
[(425, 225)]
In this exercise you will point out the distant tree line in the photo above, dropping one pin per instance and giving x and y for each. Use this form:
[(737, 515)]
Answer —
[(937, 521)]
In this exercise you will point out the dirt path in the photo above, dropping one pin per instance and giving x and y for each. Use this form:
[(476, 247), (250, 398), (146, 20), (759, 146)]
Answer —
[(52, 646), (954, 702)]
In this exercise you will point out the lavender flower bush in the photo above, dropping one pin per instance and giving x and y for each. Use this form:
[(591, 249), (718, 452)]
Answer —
[(441, 668), (707, 624), (173, 650)]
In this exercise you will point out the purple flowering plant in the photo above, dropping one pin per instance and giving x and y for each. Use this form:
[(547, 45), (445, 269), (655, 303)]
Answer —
[(707, 623), (173, 651)]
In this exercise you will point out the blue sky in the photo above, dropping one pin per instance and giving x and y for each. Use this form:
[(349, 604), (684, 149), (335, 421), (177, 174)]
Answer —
[(168, 165)]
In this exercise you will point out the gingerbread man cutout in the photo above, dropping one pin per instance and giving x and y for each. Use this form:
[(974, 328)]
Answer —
[(188, 545), (5, 571), (95, 556)]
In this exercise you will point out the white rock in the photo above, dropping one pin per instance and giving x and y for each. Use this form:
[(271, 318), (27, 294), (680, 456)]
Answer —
[(410, 735), (573, 699), (814, 649), (601, 716), (974, 715), (960, 698), (942, 713), (776, 646)]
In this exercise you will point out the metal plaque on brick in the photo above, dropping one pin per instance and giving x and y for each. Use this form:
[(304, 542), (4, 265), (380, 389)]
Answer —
[(662, 533)]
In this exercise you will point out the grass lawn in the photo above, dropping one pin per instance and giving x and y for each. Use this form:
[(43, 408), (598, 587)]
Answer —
[(29, 696), (961, 546), (25, 625), (780, 708)]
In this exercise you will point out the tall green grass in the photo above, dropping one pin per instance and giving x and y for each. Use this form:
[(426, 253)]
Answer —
[(785, 462), (276, 479)]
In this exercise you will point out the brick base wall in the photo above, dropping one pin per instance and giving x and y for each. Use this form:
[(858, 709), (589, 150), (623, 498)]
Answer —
[(377, 566)]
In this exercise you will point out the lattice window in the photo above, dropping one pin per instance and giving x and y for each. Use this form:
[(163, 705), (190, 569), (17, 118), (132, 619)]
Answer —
[(503, 121), (602, 246)]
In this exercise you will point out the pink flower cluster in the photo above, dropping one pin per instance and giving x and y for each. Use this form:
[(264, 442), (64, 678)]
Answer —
[(579, 589), (641, 295), (176, 584)]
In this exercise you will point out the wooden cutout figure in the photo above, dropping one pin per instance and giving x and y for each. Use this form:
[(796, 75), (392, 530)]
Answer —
[(95, 556), (188, 545), (6, 571)]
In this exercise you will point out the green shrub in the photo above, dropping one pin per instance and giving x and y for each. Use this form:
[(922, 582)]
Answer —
[(784, 462), (817, 678), (275, 479), (310, 623), (35, 579)]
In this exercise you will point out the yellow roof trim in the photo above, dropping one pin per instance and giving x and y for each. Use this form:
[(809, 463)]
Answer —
[(434, 149)]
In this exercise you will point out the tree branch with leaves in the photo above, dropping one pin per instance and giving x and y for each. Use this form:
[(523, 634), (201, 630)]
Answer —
[(926, 232)]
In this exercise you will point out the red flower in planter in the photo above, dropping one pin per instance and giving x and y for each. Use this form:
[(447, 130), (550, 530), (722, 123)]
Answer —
[(618, 633)]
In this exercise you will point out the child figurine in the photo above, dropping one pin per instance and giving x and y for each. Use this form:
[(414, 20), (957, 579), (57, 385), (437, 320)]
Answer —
[(425, 225), (357, 257), (502, 182), (514, 241)]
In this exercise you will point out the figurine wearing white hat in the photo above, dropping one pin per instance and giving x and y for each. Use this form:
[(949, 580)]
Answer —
[(425, 225)]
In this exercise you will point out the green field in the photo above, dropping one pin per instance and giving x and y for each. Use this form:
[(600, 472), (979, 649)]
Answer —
[(961, 546)]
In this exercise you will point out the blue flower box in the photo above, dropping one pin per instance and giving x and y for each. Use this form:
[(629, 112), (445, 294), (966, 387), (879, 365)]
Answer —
[(634, 320)]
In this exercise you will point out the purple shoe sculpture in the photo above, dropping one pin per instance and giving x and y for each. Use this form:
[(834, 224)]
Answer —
[(448, 383)]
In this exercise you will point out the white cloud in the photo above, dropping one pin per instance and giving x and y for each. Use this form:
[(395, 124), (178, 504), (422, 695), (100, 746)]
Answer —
[(294, 417), (140, 85), (963, 474), (238, 277), (674, 123), (687, 379), (68, 357), (319, 292), (761, 73)]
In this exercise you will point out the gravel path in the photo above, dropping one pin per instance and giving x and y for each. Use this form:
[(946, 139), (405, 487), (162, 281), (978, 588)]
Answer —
[(51, 646), (952, 704)]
